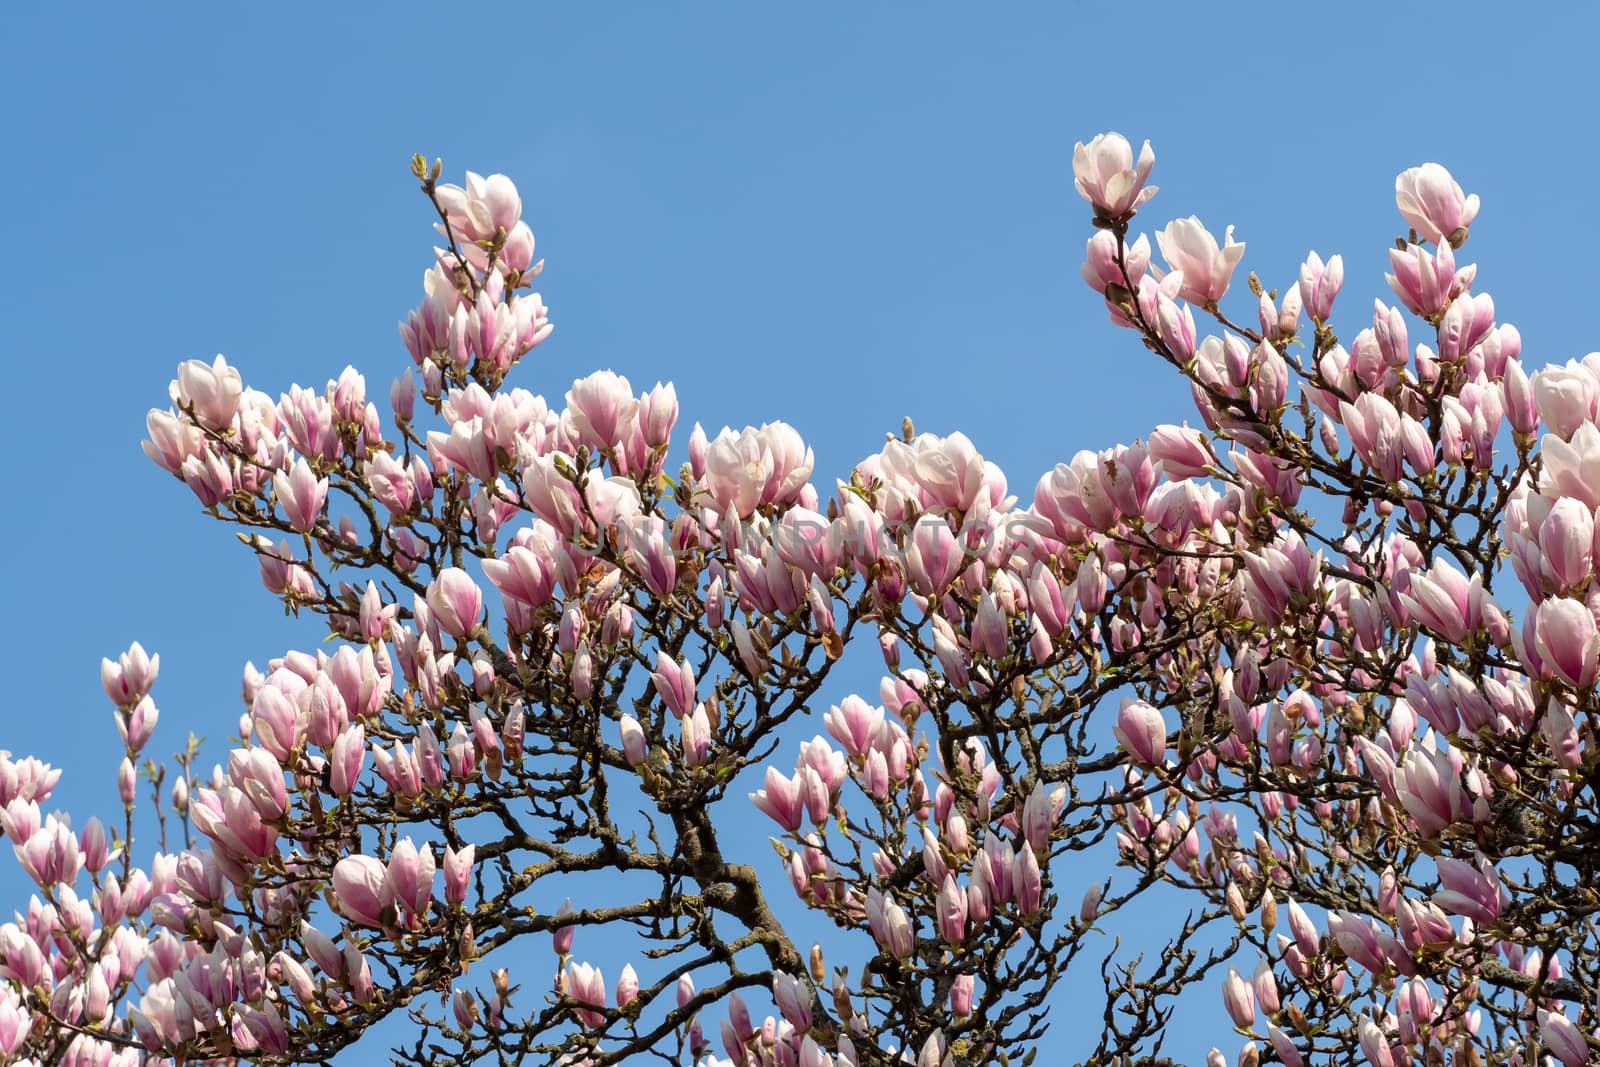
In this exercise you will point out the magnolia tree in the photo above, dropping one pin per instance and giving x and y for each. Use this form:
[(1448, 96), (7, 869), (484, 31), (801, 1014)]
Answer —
[(1274, 669)]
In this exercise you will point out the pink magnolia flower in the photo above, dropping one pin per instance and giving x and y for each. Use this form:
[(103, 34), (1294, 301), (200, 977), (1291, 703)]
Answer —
[(456, 601), (586, 985), (1101, 269), (889, 925), (465, 448), (481, 209), (1142, 731), (259, 775), (1027, 881), (212, 390), (1181, 451), (933, 557), (302, 495), (230, 819), (127, 780), (562, 936), (1568, 645), (1568, 396), (697, 740), (855, 724), (1356, 937), (1430, 789), (1284, 1046), (1563, 1038), (1469, 889), (524, 574), (658, 413), (603, 409), (628, 986), (1319, 284), (457, 871), (1375, 428), (1239, 998), (139, 723), (345, 760), (1303, 931), (410, 875), (1373, 1044), (173, 441), (1265, 985), (1466, 323), (793, 998), (756, 467), (816, 792), (1432, 202), (1040, 811), (362, 891), (650, 553), (990, 634), (781, 799), (810, 542), (674, 682), (1189, 248), (940, 472), (952, 911), (551, 493), (51, 854), (1566, 541), (464, 1008), (323, 708), (1572, 468), (634, 743), (1105, 174), (403, 396), (1521, 404), (699, 451), (130, 678), (461, 754), (961, 994), (1427, 282), (1446, 601), (1560, 732), (16, 1022), (308, 424)]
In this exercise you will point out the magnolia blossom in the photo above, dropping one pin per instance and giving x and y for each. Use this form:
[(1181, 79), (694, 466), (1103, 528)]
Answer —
[(603, 409), (754, 467), (1433, 203), (1189, 248), (1141, 730), (1106, 175), (212, 390)]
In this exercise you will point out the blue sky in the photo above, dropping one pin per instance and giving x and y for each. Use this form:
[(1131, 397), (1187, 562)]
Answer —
[(834, 215)]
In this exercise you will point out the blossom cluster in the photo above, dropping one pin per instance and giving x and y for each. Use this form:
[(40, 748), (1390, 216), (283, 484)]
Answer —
[(1264, 660)]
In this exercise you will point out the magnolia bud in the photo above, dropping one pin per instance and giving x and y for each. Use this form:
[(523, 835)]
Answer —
[(1235, 901), (127, 780), (1090, 907)]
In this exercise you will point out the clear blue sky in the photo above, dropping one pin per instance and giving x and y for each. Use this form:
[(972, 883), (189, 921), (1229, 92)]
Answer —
[(830, 214)]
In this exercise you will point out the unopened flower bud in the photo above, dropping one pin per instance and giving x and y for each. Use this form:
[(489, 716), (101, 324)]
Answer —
[(1235, 901), (1090, 907), (127, 780)]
